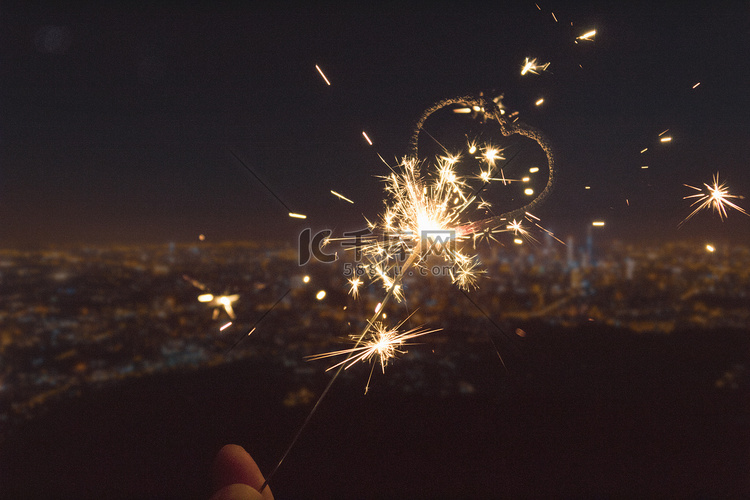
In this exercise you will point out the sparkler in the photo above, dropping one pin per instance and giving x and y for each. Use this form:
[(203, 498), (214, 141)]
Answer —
[(428, 213), (715, 196)]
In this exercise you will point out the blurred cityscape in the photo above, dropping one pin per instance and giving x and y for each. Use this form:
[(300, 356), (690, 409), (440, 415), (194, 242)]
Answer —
[(73, 320)]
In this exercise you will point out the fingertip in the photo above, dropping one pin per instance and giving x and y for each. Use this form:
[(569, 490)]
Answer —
[(233, 465), (237, 492)]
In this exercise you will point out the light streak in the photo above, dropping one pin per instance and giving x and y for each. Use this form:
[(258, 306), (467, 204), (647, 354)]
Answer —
[(644, 167), (227, 325), (364, 134), (339, 195), (539, 102), (322, 74), (297, 216), (715, 196), (531, 66), (598, 223), (696, 85), (666, 139), (534, 170), (663, 132), (588, 36), (644, 150), (710, 248), (553, 16)]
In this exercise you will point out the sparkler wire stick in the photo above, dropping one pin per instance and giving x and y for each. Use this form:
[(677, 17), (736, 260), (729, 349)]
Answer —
[(367, 328), (497, 351), (260, 319), (289, 210)]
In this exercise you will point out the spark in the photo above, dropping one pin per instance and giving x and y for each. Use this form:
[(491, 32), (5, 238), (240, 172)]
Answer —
[(696, 85), (534, 170), (666, 139), (644, 150), (364, 134), (202, 237), (227, 325), (322, 74), (320, 295), (539, 102), (587, 187), (644, 167), (306, 279), (354, 285), (530, 66), (518, 241), (528, 191), (715, 196), (297, 216), (219, 302), (339, 195), (381, 343), (588, 36), (710, 248), (553, 16), (598, 223)]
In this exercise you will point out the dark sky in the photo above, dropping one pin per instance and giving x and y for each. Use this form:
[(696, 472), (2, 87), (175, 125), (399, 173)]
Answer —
[(117, 123)]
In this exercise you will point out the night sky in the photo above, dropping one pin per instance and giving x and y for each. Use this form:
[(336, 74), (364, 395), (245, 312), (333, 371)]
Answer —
[(119, 124)]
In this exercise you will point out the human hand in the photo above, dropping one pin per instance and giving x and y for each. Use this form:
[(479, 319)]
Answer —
[(237, 477)]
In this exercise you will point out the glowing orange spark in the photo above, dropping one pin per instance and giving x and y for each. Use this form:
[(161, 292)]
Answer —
[(715, 196), (531, 66), (339, 195), (322, 74), (588, 36)]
